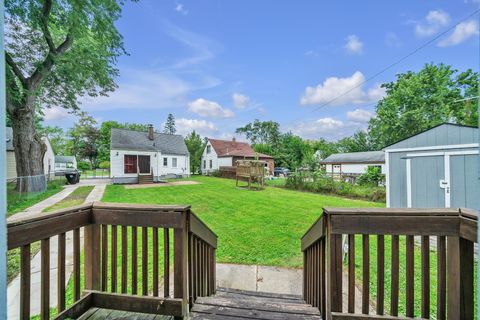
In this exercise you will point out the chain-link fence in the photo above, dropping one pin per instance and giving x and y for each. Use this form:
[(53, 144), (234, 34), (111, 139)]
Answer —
[(95, 174), (28, 187)]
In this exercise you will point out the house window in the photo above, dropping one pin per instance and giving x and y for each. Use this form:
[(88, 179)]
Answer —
[(204, 164), (209, 149), (165, 162), (130, 164), (174, 162), (210, 163)]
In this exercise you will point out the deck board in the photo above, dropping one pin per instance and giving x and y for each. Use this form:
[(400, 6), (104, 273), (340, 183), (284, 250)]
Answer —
[(236, 304), (107, 314)]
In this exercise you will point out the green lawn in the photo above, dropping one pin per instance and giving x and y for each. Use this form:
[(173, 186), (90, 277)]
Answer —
[(17, 202), (75, 198), (253, 227)]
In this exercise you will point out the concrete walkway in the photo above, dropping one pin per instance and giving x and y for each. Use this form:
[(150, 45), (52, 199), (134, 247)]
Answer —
[(13, 292)]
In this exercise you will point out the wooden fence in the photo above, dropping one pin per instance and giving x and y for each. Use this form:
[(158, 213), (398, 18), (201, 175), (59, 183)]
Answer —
[(454, 230)]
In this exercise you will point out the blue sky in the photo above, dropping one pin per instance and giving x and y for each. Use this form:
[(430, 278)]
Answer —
[(217, 65)]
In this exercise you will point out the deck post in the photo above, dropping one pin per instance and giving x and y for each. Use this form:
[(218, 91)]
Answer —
[(180, 263), (460, 278), (92, 262), (334, 271)]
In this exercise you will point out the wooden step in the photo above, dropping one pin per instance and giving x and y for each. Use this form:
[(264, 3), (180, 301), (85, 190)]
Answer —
[(145, 179), (237, 304)]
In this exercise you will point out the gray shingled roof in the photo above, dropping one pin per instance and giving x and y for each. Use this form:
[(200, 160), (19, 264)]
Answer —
[(122, 139), (9, 133), (64, 159), (356, 157)]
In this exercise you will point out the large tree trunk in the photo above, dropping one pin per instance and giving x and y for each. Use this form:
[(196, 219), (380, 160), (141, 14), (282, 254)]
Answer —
[(29, 150)]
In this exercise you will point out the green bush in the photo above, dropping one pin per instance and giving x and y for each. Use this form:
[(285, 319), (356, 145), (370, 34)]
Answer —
[(372, 176), (83, 165), (104, 165), (321, 183)]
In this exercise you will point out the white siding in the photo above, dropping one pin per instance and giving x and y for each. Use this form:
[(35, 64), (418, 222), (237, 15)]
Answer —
[(11, 165), (48, 158), (156, 162), (225, 161), (206, 158), (354, 168)]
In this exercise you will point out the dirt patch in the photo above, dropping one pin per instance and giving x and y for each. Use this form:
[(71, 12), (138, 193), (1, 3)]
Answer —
[(161, 184)]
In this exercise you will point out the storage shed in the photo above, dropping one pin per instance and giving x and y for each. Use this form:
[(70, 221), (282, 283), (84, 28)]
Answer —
[(434, 169)]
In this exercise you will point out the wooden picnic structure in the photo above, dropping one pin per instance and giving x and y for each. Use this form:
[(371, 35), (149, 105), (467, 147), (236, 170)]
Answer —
[(252, 171), (111, 267)]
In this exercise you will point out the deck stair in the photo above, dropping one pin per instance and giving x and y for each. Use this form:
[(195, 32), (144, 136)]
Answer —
[(145, 178), (237, 304)]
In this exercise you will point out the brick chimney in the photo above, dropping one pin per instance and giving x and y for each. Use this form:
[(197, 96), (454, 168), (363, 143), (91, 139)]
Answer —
[(150, 132), (234, 142)]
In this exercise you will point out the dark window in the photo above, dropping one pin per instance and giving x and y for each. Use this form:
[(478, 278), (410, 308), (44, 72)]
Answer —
[(210, 164), (130, 164), (174, 162), (165, 162), (204, 164), (209, 149)]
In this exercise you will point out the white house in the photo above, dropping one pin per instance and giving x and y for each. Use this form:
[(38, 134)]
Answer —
[(63, 163), (353, 163), (136, 153), (224, 153), (48, 158)]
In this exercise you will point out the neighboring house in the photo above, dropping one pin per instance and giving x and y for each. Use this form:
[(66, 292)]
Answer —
[(353, 163), (434, 169), (224, 153), (48, 158), (135, 152), (63, 163)]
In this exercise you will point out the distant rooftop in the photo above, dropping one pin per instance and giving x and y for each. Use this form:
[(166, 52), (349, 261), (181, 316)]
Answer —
[(356, 157), (123, 139), (64, 159), (233, 148)]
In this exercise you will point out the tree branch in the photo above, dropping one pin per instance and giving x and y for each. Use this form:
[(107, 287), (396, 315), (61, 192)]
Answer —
[(47, 7), (16, 70)]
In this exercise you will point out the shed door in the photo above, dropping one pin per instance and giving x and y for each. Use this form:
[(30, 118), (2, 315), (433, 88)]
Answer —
[(426, 174), (464, 181)]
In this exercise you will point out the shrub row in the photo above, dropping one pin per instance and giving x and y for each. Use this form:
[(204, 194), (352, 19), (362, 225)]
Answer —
[(320, 183)]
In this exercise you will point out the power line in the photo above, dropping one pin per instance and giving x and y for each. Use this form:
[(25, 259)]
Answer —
[(396, 62)]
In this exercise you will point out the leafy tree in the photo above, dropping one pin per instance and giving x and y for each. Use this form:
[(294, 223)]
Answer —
[(170, 125), (83, 138), (261, 132), (57, 139), (356, 143), (415, 102), (195, 145), (55, 51)]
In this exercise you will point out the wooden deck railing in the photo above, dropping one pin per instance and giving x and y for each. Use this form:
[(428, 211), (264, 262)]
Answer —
[(454, 231), (112, 233)]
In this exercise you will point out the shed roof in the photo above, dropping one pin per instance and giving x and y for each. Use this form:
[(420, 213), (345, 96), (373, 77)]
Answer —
[(64, 159), (122, 139), (356, 157), (9, 135), (440, 135), (232, 148)]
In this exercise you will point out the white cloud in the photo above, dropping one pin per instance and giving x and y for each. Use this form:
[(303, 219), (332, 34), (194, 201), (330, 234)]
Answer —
[(327, 128), (462, 32), (202, 127), (206, 108), (240, 100), (56, 113), (392, 40), (148, 89), (433, 22), (336, 88), (180, 8), (359, 115), (354, 45)]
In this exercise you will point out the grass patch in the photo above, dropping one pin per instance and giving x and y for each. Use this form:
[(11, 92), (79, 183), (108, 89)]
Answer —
[(253, 227), (280, 182), (17, 202), (75, 198)]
